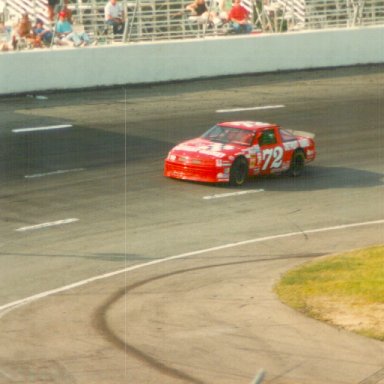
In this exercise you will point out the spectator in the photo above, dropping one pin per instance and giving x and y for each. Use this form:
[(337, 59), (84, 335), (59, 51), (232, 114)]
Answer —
[(67, 11), (42, 36), (114, 16), (200, 13), (5, 37), (23, 33), (197, 8), (52, 4), (224, 8), (239, 18), (65, 33), (54, 7)]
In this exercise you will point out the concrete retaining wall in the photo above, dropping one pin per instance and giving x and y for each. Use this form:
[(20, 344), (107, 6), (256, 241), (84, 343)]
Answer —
[(69, 68)]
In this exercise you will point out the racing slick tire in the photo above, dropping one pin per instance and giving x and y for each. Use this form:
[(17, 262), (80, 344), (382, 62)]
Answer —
[(239, 172), (297, 164)]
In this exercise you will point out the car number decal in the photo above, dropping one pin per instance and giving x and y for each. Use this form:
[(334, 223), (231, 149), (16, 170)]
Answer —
[(272, 158)]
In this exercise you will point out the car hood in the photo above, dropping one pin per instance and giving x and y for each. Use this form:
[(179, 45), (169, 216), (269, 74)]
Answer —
[(206, 149)]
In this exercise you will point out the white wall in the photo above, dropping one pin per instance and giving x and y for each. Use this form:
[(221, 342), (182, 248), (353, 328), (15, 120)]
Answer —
[(69, 68)]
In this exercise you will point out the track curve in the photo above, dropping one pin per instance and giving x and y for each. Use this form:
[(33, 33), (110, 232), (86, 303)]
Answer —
[(105, 172)]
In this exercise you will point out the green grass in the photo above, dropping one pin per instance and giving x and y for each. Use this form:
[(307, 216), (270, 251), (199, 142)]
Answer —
[(354, 280)]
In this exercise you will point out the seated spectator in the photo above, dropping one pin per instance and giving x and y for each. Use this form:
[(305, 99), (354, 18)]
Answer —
[(114, 16), (198, 8), (200, 13), (65, 33), (224, 8), (5, 37), (42, 36), (238, 18), (67, 11), (52, 5), (22, 33)]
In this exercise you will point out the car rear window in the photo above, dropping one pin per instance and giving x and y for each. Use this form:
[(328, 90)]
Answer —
[(286, 135)]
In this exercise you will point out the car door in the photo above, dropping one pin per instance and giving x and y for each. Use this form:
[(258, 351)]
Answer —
[(272, 151)]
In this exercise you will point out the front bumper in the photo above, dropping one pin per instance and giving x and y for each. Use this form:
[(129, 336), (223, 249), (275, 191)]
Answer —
[(195, 172)]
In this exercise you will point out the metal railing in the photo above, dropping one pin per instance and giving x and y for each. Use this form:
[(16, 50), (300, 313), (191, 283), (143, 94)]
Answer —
[(282, 15), (167, 19), (149, 20)]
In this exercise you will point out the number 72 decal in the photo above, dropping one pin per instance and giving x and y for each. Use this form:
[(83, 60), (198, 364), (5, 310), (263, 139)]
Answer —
[(272, 157)]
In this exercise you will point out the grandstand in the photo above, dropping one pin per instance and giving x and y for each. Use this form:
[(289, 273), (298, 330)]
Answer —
[(166, 19)]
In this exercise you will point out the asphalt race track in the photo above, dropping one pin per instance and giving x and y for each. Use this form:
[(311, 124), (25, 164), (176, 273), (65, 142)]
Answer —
[(111, 273)]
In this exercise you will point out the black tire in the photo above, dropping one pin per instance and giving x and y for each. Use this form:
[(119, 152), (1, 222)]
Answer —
[(239, 172), (297, 164)]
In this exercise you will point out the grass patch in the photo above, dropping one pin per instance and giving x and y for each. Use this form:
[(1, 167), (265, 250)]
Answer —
[(346, 290)]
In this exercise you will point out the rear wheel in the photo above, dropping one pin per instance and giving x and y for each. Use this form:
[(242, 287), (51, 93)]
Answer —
[(297, 164), (239, 172)]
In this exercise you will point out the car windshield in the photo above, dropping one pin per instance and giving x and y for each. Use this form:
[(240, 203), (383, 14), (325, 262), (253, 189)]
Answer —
[(229, 135)]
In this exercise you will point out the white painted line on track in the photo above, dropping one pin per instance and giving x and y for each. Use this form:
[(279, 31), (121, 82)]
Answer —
[(230, 194), (6, 308), (46, 225), (249, 108), (47, 128), (58, 172)]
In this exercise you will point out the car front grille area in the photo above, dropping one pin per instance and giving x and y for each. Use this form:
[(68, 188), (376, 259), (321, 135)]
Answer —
[(189, 168)]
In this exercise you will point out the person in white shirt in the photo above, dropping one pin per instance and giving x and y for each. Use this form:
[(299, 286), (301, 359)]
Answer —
[(114, 16)]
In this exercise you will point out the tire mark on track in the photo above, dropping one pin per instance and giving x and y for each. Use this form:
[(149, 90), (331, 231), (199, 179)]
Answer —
[(375, 378), (100, 321)]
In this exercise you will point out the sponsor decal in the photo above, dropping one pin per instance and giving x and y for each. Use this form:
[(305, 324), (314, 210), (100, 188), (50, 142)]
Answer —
[(222, 163), (255, 149), (188, 160), (212, 153), (285, 165), (310, 153), (290, 145), (214, 150), (222, 176), (183, 159), (304, 143)]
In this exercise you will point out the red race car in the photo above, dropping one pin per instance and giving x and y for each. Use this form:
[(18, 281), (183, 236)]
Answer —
[(230, 152)]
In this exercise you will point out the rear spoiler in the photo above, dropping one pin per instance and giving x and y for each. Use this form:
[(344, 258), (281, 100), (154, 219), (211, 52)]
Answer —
[(308, 135)]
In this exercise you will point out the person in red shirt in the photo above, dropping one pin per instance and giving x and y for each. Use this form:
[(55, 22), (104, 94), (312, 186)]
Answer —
[(238, 18)]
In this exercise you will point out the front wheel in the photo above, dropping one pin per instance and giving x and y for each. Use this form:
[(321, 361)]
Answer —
[(239, 172), (297, 164)]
